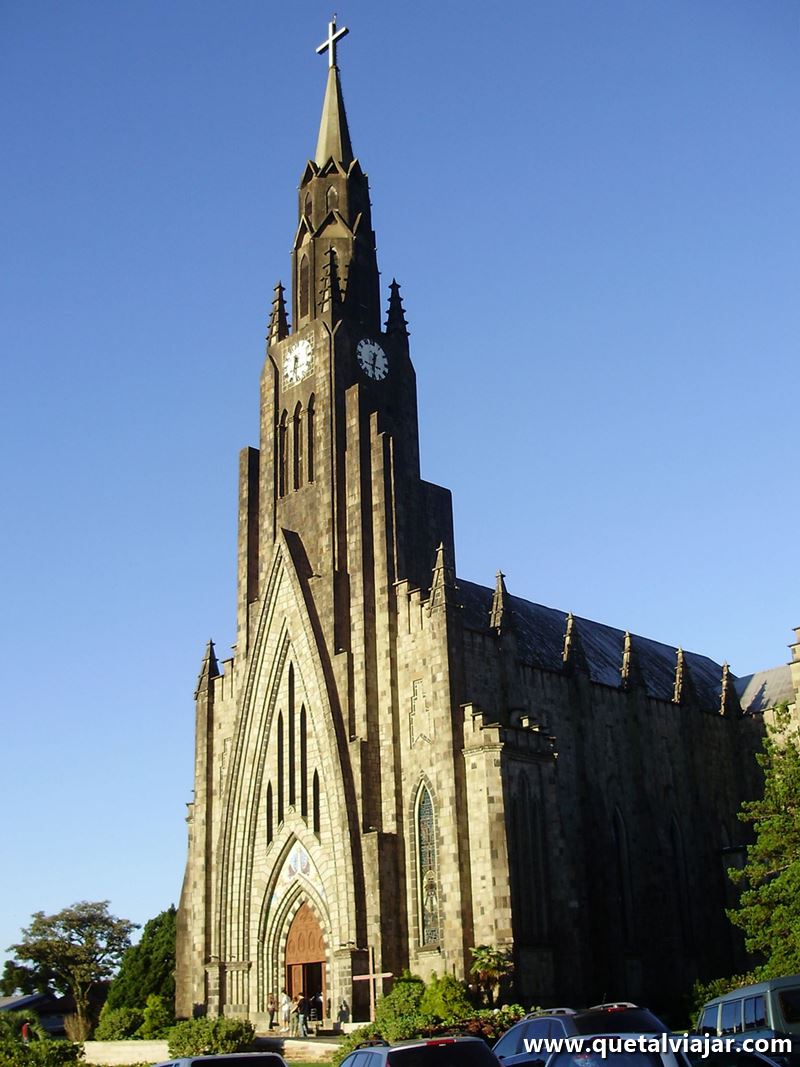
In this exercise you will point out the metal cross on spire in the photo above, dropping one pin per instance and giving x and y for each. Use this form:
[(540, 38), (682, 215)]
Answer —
[(329, 45)]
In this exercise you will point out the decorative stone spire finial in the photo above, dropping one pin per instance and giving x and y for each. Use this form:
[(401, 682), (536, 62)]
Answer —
[(684, 691), (500, 613), (278, 322), (209, 669), (573, 655), (443, 583), (334, 137), (330, 296), (728, 700), (630, 671), (396, 316)]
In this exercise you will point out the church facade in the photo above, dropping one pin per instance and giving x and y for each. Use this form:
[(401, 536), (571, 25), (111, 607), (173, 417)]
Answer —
[(397, 765)]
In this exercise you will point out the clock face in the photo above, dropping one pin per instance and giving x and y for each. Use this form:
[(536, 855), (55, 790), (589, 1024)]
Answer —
[(372, 359), (298, 361)]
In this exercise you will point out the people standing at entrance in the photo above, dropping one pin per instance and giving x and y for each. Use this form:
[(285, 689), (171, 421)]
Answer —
[(272, 1008), (294, 1026), (286, 1010), (302, 1014)]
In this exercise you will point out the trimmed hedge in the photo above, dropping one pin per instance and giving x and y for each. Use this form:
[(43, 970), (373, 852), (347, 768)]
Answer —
[(202, 1037), (39, 1053)]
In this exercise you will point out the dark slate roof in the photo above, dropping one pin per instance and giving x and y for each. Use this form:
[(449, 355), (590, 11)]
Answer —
[(765, 689), (540, 633)]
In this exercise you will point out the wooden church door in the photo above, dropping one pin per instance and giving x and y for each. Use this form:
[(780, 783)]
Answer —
[(305, 959)]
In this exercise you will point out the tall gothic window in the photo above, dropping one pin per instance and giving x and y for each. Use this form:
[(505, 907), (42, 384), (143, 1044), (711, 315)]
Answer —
[(270, 827), (680, 879), (282, 457), (315, 803), (310, 438), (305, 287), (292, 790), (280, 768), (303, 763), (307, 207), (331, 199), (297, 446), (528, 863), (624, 888), (427, 873)]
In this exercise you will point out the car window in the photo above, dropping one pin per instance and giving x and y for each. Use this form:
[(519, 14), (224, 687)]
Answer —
[(789, 1000), (444, 1054), (731, 1018), (708, 1020), (619, 1021), (734, 1058), (609, 1059), (755, 1014), (511, 1041)]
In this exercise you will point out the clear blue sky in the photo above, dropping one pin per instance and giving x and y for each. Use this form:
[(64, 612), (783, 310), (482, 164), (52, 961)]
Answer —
[(592, 209)]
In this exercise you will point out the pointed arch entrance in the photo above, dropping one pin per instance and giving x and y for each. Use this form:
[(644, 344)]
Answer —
[(305, 956)]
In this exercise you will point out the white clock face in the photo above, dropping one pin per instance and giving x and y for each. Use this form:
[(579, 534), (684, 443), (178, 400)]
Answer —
[(298, 361), (372, 359)]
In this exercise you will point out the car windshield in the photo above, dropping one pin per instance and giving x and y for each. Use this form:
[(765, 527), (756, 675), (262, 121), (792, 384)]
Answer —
[(618, 1020), (266, 1059), (607, 1059), (446, 1054)]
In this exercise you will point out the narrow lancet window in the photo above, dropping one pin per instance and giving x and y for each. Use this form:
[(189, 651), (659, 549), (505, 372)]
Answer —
[(427, 874), (315, 803), (297, 446), (624, 888), (270, 826), (292, 791), (331, 199), (305, 287), (310, 438), (303, 763), (282, 457), (280, 768)]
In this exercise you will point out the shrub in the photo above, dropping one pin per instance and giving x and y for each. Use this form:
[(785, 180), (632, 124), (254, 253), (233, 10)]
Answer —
[(397, 1015), (158, 1018), (702, 992), (39, 1053), (199, 1037), (118, 1024), (446, 998)]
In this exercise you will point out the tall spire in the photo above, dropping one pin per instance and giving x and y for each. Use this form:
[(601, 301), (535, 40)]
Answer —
[(334, 137)]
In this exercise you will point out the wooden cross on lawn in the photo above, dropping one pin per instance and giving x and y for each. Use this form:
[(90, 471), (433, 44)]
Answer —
[(329, 45), (372, 979)]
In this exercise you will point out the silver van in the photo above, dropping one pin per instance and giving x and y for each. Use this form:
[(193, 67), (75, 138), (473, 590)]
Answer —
[(763, 1010)]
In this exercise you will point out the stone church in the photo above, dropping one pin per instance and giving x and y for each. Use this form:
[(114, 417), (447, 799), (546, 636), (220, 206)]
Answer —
[(397, 764)]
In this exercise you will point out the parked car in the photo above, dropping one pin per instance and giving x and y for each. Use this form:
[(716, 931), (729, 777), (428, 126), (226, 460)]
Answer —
[(228, 1059), (620, 1017), (435, 1052), (762, 1010)]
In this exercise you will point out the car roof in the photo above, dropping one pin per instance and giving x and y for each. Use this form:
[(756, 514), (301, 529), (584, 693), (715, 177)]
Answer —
[(756, 988)]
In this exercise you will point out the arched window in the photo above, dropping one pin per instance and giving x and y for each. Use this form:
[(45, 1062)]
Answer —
[(528, 862), (315, 803), (310, 438), (427, 873), (305, 287), (280, 768), (292, 795), (303, 763), (282, 458), (331, 199), (623, 872), (297, 446), (680, 885), (270, 828), (307, 207)]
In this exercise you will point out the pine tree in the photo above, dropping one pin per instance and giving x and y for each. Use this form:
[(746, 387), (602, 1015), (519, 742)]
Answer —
[(149, 967), (769, 909)]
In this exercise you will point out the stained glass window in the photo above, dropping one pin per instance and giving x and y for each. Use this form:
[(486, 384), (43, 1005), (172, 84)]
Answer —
[(428, 884)]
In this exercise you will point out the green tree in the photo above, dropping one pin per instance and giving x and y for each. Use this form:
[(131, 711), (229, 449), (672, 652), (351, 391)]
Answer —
[(148, 968), (17, 978), (82, 945), (490, 968), (769, 908), (446, 998)]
